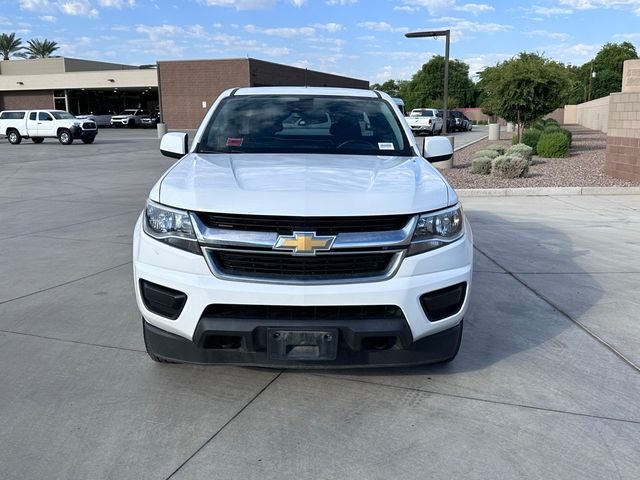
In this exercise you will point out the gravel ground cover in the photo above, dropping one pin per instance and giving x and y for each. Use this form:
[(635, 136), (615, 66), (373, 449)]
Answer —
[(583, 168)]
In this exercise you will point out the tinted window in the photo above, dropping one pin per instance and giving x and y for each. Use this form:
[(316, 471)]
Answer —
[(12, 115), (44, 116), (62, 115), (33, 115), (421, 113), (129, 112), (304, 124)]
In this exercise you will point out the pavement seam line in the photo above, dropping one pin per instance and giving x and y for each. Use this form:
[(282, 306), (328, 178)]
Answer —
[(226, 424), (77, 342), (65, 283), (74, 224), (477, 399), (583, 327)]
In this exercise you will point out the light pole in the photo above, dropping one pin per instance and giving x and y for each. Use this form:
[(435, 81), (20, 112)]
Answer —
[(446, 34)]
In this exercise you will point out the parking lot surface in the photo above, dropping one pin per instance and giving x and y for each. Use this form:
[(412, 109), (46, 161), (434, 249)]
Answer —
[(546, 385)]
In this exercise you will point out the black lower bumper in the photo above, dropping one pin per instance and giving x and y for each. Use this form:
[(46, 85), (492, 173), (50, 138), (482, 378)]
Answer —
[(249, 342)]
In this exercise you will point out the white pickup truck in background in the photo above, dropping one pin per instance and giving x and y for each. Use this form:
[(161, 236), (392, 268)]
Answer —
[(425, 120), (41, 124)]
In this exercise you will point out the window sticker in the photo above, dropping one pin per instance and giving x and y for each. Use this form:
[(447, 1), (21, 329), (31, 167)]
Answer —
[(385, 146), (234, 142)]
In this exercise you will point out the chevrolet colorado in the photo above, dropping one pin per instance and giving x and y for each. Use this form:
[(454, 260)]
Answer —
[(302, 228)]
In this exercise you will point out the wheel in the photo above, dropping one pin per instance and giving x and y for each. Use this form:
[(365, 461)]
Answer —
[(14, 137), (455, 353), (37, 139), (150, 352), (65, 137), (88, 140), (132, 123)]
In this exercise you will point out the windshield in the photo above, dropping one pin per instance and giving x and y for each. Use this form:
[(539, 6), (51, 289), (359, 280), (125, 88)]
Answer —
[(421, 113), (62, 115), (129, 112), (304, 124)]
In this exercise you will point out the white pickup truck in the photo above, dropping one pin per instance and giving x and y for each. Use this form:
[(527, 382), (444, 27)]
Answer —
[(425, 120), (40, 124), (303, 228)]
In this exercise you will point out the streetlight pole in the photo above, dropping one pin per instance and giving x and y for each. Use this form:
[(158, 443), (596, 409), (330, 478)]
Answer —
[(447, 35)]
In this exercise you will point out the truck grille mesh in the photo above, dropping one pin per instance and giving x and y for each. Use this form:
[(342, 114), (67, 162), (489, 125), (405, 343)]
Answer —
[(320, 225), (323, 267)]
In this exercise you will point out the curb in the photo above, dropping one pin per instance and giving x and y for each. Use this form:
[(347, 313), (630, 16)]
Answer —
[(469, 144), (545, 191)]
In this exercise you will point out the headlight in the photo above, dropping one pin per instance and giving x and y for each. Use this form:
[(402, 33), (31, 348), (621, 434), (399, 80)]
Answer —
[(170, 225), (435, 230)]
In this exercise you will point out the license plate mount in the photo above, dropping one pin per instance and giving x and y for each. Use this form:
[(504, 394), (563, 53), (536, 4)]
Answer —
[(302, 345)]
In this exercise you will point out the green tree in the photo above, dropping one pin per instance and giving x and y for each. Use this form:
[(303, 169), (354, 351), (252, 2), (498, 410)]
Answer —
[(9, 45), (426, 87), (392, 87), (607, 66), (40, 48), (524, 88)]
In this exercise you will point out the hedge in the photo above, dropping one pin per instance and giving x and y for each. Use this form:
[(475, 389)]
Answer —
[(481, 165), (553, 145)]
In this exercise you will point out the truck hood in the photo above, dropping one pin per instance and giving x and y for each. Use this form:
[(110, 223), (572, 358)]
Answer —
[(303, 185)]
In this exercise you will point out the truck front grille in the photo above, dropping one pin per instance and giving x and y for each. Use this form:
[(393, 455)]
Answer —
[(325, 267), (88, 126), (320, 225)]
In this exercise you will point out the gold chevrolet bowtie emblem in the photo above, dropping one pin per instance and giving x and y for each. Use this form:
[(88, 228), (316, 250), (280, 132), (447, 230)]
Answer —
[(303, 243)]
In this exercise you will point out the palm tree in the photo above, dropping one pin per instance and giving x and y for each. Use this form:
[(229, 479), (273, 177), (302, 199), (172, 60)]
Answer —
[(9, 45), (40, 48)]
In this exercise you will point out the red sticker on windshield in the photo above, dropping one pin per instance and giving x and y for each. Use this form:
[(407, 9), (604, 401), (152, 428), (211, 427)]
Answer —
[(234, 142)]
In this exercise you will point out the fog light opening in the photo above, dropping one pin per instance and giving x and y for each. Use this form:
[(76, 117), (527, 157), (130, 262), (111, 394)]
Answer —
[(378, 343)]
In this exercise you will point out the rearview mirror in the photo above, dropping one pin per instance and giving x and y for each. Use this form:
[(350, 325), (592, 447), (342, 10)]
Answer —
[(437, 149), (174, 144)]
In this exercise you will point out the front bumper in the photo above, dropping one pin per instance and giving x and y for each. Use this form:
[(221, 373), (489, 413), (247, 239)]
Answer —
[(78, 133), (420, 340)]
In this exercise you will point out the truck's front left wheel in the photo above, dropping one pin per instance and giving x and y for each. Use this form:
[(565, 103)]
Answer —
[(14, 137), (65, 137)]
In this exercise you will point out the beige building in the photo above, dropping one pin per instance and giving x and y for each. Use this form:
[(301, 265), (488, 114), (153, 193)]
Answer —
[(78, 86)]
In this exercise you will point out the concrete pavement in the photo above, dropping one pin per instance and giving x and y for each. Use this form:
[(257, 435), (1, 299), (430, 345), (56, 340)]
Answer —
[(546, 384)]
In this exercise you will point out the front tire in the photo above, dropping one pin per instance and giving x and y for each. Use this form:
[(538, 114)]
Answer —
[(88, 140), (14, 137), (65, 137), (37, 139)]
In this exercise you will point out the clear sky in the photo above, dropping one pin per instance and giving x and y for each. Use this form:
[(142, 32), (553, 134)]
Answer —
[(360, 38)]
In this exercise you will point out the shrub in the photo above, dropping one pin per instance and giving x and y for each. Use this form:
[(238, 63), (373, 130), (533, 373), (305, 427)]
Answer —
[(568, 134), (521, 150), (539, 125), (551, 121), (553, 145), (497, 148), (481, 165), (530, 137), (486, 153), (509, 166)]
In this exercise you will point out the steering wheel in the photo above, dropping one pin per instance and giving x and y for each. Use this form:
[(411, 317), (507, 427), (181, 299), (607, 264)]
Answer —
[(363, 143)]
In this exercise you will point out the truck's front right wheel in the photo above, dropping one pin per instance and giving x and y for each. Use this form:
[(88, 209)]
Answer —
[(65, 137), (14, 137)]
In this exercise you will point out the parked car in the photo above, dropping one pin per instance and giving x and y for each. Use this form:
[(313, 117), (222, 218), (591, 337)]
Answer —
[(329, 242), (102, 119), (129, 118), (458, 122), (41, 124), (151, 120), (425, 120)]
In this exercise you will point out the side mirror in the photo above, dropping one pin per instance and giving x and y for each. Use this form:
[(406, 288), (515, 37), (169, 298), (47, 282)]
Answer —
[(174, 144), (437, 149)]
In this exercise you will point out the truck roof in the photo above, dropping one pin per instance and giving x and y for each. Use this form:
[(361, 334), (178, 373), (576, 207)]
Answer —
[(332, 91)]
